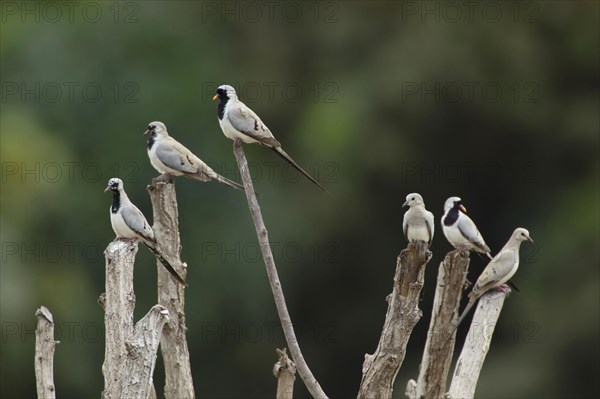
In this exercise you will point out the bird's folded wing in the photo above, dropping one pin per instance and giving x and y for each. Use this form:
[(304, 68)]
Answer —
[(177, 157), (405, 225), (137, 222), (468, 229), (430, 224), (244, 120), (496, 270)]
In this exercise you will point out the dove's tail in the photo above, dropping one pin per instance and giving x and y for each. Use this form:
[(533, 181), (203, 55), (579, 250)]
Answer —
[(285, 156), (166, 264), (230, 183), (460, 319)]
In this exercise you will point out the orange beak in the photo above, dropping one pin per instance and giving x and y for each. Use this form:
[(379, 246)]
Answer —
[(462, 208), (215, 97)]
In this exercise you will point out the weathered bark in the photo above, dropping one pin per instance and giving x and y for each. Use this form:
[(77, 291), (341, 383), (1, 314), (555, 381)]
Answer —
[(142, 348), (477, 345), (118, 303), (44, 354), (437, 356), (286, 322), (285, 372), (130, 353), (381, 368), (176, 357)]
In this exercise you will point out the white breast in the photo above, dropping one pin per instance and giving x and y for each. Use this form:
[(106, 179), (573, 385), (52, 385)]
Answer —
[(232, 133), (119, 226), (455, 237), (418, 231)]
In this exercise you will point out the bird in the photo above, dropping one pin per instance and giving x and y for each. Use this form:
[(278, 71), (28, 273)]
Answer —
[(129, 224), (460, 230), (498, 272), (239, 122), (418, 223), (167, 155)]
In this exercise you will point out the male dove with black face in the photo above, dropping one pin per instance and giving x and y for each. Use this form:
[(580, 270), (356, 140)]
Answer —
[(418, 223), (460, 230), (499, 271), (129, 224), (239, 122), (167, 155)]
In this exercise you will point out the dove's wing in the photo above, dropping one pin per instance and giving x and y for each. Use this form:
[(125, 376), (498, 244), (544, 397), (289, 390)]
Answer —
[(498, 271), (244, 120), (134, 218)]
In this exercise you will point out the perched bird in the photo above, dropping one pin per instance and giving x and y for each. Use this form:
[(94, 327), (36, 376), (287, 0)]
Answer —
[(129, 224), (418, 223), (460, 230), (500, 269), (167, 155), (239, 122)]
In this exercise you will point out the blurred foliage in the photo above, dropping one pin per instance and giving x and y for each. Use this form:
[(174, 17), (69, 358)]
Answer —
[(377, 117)]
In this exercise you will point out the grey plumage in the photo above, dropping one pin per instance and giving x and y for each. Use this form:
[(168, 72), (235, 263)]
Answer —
[(239, 122), (129, 223), (418, 223), (498, 272), (460, 230), (167, 155)]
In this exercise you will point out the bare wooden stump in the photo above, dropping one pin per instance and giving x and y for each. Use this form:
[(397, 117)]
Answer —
[(142, 349), (131, 351), (477, 345), (118, 303), (44, 354), (437, 356), (178, 373), (381, 368), (285, 372)]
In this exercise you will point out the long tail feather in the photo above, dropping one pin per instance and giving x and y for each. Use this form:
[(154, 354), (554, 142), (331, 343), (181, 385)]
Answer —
[(460, 319), (230, 183), (285, 156), (167, 265)]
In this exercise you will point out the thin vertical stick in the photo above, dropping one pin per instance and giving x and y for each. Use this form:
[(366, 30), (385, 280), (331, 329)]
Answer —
[(286, 322)]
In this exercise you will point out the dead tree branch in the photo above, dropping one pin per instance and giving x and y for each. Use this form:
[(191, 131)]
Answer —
[(381, 368), (44, 354), (285, 372), (142, 348), (118, 303), (437, 356), (130, 353), (174, 348), (286, 322), (477, 345)]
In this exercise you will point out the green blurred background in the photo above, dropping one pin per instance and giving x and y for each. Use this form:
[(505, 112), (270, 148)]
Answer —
[(495, 102)]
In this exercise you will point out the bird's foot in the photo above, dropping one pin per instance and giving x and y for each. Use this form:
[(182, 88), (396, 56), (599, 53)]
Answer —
[(467, 284), (127, 240), (504, 288), (164, 178), (463, 248), (237, 143)]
